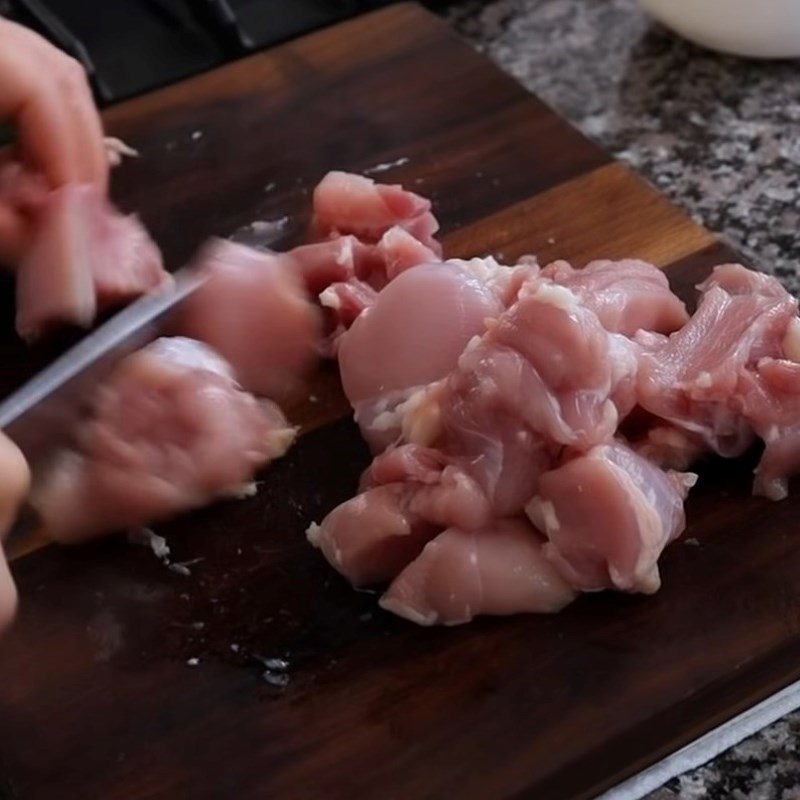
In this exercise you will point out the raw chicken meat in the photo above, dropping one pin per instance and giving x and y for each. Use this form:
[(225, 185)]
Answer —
[(409, 494), (607, 515), (626, 295), (347, 300), (374, 233), (545, 365), (385, 350), (544, 375), (171, 431), (770, 400), (461, 574), (341, 259), (398, 250), (335, 260), (371, 537), (347, 203), (84, 257), (691, 378), (670, 447), (254, 311)]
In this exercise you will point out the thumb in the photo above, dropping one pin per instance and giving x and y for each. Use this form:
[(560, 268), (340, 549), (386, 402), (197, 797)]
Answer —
[(14, 485), (14, 235)]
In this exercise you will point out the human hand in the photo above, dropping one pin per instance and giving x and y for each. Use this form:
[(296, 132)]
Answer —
[(14, 484), (45, 96)]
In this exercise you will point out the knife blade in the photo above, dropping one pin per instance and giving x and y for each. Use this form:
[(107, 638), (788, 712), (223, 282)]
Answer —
[(41, 417)]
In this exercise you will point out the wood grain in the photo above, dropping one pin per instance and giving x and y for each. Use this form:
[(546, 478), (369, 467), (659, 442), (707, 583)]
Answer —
[(123, 679), (613, 214)]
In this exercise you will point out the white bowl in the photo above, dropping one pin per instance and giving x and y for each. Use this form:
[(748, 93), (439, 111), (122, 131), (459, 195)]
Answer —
[(759, 28)]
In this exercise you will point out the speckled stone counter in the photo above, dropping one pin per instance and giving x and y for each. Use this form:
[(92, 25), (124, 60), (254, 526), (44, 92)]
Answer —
[(719, 136)]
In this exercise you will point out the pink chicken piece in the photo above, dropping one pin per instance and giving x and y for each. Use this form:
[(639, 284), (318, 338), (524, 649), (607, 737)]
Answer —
[(399, 250), (691, 378), (171, 431), (384, 360), (254, 311), (545, 366), (344, 258), (770, 400), (475, 443), (607, 516), (84, 257), (409, 494), (386, 350), (344, 303), (626, 295), (347, 203), (347, 274), (462, 574), (335, 260)]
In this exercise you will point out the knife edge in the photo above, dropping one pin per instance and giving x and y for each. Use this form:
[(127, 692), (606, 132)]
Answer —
[(41, 416)]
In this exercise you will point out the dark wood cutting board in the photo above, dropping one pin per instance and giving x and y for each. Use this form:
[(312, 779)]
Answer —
[(123, 679)]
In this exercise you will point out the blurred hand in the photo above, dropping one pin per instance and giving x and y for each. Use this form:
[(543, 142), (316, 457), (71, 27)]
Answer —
[(14, 484), (45, 96)]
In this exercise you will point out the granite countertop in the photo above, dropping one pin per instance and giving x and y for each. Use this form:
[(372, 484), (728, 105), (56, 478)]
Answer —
[(720, 137)]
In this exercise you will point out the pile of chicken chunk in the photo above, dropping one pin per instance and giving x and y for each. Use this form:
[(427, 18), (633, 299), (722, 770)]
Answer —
[(533, 427)]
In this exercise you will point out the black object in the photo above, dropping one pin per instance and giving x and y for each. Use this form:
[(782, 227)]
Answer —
[(131, 46)]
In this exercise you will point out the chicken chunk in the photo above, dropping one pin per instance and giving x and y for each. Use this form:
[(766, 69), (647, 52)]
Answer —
[(626, 295), (608, 515), (691, 379), (462, 574), (347, 203), (84, 257), (387, 349), (254, 311), (171, 431), (770, 400), (408, 495)]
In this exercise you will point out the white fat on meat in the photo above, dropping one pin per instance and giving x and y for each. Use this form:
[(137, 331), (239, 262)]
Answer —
[(670, 447), (347, 203), (463, 574), (626, 295), (255, 312), (691, 379), (171, 430), (84, 257), (607, 516)]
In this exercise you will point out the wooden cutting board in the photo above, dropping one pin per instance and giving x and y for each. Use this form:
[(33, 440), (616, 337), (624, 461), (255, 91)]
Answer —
[(123, 679)]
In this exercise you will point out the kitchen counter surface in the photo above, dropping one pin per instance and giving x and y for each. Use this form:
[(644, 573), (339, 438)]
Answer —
[(719, 136)]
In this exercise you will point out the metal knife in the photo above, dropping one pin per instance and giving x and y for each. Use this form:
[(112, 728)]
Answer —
[(42, 416)]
